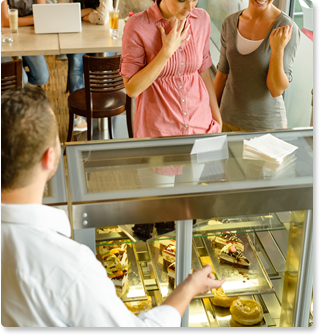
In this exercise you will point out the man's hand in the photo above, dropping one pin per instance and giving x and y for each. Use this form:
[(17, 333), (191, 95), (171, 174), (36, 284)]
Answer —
[(202, 281)]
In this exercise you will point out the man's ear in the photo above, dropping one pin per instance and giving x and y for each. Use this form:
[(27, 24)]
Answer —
[(47, 160)]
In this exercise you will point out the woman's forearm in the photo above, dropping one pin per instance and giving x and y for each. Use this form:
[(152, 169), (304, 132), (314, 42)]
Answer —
[(277, 80), (219, 84), (85, 12), (146, 76)]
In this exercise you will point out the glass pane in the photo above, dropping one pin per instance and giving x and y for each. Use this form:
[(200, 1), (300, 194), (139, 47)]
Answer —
[(291, 275), (157, 164), (218, 11), (303, 16)]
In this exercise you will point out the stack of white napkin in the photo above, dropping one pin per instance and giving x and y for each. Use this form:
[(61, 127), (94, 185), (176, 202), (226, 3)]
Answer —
[(268, 148)]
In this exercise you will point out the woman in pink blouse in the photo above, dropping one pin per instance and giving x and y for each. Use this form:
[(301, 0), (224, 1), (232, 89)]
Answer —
[(165, 65)]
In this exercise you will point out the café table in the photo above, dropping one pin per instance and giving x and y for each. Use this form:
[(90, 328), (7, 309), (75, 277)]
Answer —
[(92, 39), (27, 43)]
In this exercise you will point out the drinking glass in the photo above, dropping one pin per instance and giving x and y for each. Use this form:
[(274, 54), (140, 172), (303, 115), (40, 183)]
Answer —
[(113, 20), (13, 20)]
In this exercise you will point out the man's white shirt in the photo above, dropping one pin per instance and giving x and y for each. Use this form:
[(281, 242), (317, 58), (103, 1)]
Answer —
[(47, 279)]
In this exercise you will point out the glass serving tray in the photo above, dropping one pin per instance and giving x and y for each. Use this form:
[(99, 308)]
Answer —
[(241, 281), (197, 314), (257, 223), (136, 289), (161, 273)]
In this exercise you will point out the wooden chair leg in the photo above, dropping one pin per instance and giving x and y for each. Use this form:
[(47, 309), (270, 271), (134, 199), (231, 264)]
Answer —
[(129, 115), (110, 127), (89, 128), (71, 125)]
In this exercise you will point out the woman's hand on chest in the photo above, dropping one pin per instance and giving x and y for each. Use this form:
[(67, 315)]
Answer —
[(175, 38)]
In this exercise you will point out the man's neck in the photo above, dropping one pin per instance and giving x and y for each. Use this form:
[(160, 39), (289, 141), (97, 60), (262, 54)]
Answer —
[(31, 194)]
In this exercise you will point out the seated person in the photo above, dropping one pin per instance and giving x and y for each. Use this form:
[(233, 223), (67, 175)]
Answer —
[(95, 12), (38, 73), (47, 279)]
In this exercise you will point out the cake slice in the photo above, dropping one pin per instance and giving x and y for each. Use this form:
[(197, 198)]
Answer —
[(225, 238), (114, 257), (103, 249), (169, 255), (172, 273), (165, 243), (231, 255), (120, 281)]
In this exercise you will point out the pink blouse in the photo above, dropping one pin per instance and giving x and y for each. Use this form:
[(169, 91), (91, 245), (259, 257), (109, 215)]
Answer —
[(177, 103)]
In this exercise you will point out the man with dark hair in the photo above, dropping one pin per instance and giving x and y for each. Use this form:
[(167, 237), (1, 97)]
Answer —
[(47, 279)]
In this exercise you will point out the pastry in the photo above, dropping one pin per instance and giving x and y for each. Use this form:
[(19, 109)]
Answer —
[(214, 222), (221, 299), (172, 273), (113, 229), (103, 249), (143, 229), (169, 255), (164, 227), (246, 311), (120, 281), (232, 255), (115, 256), (165, 243), (225, 238), (116, 264), (137, 307)]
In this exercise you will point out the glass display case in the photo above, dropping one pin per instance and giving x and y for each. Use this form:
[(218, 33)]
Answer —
[(119, 187)]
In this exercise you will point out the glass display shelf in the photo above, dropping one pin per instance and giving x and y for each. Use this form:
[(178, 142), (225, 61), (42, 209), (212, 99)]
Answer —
[(240, 280)]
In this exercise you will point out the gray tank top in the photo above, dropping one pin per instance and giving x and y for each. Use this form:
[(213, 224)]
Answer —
[(246, 101), (24, 6)]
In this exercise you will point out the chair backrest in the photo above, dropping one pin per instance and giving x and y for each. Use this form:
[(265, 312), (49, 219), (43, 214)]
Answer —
[(11, 75), (101, 75)]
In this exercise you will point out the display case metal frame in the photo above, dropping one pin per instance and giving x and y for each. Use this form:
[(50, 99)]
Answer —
[(55, 191), (184, 203)]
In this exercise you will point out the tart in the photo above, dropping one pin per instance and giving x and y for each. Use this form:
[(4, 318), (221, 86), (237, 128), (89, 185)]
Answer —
[(234, 256)]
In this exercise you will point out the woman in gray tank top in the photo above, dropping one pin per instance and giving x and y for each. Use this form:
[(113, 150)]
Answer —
[(249, 86)]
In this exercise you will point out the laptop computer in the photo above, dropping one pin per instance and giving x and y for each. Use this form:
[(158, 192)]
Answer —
[(57, 18)]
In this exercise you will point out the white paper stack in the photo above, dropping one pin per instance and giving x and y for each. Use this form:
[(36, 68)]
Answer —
[(268, 148)]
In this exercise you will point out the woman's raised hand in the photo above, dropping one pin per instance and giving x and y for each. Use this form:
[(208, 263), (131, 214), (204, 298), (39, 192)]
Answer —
[(280, 37), (176, 37)]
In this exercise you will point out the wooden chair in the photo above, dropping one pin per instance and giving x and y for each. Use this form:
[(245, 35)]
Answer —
[(102, 95), (11, 75)]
